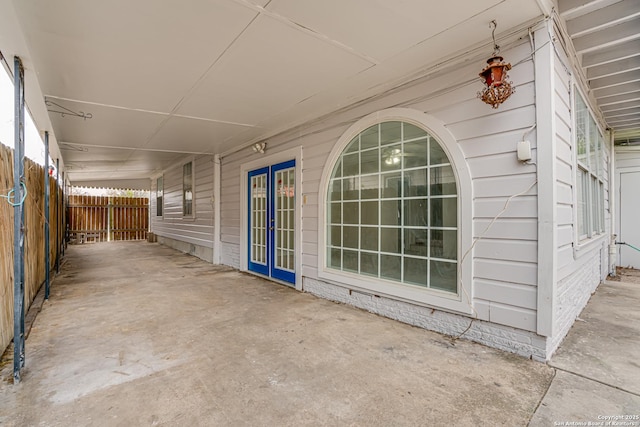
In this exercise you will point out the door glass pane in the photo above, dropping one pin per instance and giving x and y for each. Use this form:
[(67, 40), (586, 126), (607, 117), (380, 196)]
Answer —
[(259, 219), (284, 218)]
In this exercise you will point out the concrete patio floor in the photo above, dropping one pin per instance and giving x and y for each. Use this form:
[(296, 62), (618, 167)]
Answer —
[(140, 334)]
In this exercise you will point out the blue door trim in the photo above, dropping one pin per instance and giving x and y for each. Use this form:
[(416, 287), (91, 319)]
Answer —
[(285, 275), (269, 269)]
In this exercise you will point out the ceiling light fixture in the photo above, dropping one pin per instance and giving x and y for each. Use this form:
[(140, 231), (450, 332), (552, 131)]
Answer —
[(259, 147), (494, 76)]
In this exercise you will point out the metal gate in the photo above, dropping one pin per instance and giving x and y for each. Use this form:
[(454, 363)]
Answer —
[(101, 219)]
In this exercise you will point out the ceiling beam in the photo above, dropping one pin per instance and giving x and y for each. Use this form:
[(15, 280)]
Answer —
[(126, 184), (634, 96), (621, 51), (618, 107), (602, 18), (571, 9), (622, 113), (617, 90), (614, 80), (635, 125), (615, 67), (608, 37), (622, 121)]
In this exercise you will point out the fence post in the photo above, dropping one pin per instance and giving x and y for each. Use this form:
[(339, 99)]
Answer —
[(109, 219), (19, 195), (47, 262)]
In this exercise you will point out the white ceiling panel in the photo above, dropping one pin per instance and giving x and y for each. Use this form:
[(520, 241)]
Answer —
[(412, 62), (270, 68), (108, 127), (140, 54), (84, 162), (379, 29), (77, 154), (167, 79), (192, 136), (132, 184)]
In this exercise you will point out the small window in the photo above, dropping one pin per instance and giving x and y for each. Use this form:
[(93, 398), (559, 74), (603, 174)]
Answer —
[(159, 196), (187, 189)]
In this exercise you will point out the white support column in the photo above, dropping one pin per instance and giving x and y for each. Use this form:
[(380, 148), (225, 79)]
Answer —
[(613, 249), (216, 209), (546, 167)]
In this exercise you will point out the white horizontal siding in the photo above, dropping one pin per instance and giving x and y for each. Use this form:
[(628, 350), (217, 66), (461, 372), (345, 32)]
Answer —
[(198, 229), (579, 265), (506, 258)]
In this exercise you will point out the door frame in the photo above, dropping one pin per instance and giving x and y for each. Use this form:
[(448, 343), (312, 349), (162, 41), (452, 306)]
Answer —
[(266, 161)]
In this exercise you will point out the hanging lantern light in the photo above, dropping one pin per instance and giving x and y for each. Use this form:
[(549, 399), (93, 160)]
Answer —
[(497, 86)]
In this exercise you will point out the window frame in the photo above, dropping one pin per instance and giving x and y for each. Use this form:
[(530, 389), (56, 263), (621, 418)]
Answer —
[(192, 182), (589, 220), (160, 197), (462, 301)]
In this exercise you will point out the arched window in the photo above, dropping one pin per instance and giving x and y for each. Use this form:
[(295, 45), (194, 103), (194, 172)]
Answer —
[(392, 209)]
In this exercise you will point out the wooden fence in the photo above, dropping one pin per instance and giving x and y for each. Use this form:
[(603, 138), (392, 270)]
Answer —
[(101, 219), (34, 262)]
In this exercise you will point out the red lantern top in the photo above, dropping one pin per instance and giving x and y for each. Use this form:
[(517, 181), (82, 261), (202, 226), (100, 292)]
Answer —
[(495, 71)]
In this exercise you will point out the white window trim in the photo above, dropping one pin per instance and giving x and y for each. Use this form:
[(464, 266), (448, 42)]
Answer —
[(585, 243), (161, 217), (269, 160), (463, 301), (192, 215)]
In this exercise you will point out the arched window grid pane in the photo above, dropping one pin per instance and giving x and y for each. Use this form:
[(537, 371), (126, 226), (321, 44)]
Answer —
[(402, 191)]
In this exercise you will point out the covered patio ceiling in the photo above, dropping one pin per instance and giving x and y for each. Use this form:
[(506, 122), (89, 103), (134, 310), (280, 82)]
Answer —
[(606, 35), (165, 80)]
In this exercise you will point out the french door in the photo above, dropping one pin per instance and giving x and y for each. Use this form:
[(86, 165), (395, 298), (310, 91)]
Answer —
[(271, 246)]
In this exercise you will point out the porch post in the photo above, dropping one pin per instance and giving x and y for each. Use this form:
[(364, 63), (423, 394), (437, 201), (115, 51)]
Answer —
[(546, 149), (216, 209), (59, 220), (613, 206), (19, 194), (47, 262)]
